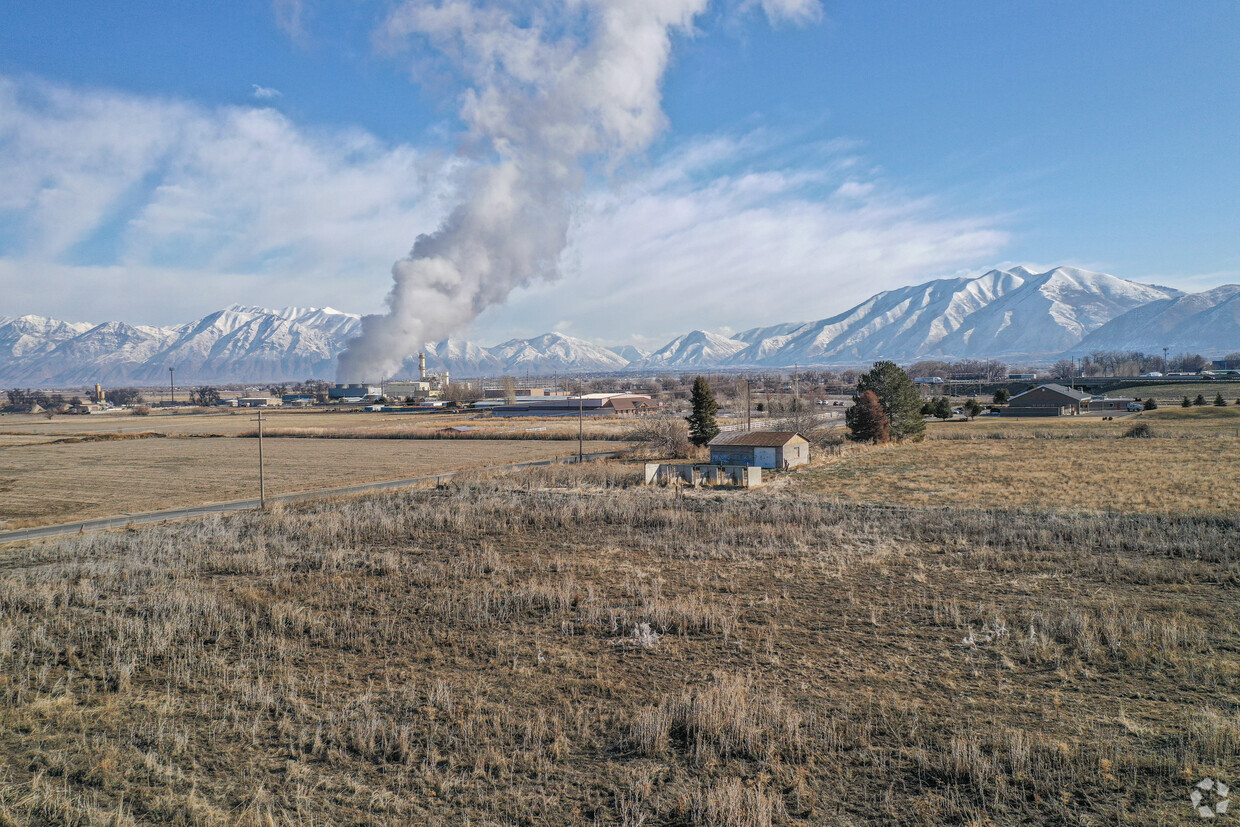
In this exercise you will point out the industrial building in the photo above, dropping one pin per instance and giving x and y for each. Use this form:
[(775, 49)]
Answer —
[(403, 389), (590, 404), (501, 393), (357, 392), (764, 449)]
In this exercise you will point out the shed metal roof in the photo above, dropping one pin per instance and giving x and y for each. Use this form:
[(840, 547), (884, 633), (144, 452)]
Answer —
[(755, 439), (1059, 389)]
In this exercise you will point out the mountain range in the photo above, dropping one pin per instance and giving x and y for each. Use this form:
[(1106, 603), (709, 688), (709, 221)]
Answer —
[(1012, 314)]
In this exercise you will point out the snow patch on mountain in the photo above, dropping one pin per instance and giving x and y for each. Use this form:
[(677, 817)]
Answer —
[(553, 352), (697, 349), (1207, 323)]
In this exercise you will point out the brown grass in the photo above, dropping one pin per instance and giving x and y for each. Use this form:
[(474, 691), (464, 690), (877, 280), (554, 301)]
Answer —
[(298, 422), (1191, 463), (462, 655), (103, 476)]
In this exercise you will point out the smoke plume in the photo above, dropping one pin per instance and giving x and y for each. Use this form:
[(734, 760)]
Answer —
[(550, 87)]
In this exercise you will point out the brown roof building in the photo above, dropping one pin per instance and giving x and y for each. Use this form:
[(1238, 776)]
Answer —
[(1047, 400), (764, 449)]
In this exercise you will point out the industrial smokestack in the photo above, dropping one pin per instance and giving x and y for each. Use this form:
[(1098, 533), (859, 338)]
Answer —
[(551, 88), (422, 366)]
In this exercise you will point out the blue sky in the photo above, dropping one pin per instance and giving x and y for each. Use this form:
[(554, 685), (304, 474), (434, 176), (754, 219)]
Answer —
[(808, 159)]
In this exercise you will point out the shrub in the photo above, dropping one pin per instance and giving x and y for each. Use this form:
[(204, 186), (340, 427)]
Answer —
[(867, 420), (1186, 403), (142, 410), (1151, 405), (899, 397), (1141, 430)]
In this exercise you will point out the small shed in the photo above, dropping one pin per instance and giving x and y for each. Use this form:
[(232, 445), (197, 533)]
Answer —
[(764, 449)]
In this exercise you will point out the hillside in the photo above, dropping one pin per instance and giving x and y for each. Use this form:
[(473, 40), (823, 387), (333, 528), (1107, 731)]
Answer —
[(1207, 322)]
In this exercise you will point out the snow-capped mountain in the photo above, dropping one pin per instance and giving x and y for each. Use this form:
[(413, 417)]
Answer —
[(629, 353), (552, 352), (459, 357), (1014, 313), (1206, 322), (30, 336), (240, 344), (696, 349), (110, 352)]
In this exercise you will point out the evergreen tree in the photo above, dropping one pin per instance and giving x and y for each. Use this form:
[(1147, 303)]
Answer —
[(1001, 396), (943, 408), (899, 398), (972, 408), (1199, 401), (867, 420), (702, 425), (1219, 401), (1186, 403)]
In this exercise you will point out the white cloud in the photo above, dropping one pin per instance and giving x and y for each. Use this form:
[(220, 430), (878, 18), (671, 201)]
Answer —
[(175, 193), (156, 211), (689, 245), (796, 12), (263, 93), (290, 18)]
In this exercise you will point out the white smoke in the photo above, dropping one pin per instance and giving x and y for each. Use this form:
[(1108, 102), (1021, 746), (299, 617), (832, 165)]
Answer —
[(551, 85)]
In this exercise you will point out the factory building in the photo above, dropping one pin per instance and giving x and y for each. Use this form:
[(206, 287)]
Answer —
[(591, 404)]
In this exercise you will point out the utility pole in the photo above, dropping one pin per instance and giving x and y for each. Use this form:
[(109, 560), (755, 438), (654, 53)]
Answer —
[(1164, 361), (172, 385), (796, 396), (748, 406), (262, 486), (581, 421)]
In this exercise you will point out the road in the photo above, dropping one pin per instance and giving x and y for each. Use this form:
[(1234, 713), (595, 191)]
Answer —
[(19, 535)]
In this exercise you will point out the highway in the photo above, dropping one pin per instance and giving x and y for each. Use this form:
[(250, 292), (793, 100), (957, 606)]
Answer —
[(19, 535)]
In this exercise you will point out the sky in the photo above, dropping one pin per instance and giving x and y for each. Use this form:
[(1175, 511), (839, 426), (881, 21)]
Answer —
[(162, 160)]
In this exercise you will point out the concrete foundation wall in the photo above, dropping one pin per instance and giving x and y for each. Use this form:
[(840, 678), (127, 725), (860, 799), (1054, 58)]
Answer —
[(737, 476)]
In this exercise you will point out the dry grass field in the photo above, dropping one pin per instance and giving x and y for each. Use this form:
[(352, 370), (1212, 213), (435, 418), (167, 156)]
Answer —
[(1190, 464), (562, 647), (57, 479), (1172, 392), (301, 422)]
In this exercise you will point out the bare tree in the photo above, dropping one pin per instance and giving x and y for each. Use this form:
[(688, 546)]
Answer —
[(663, 435)]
